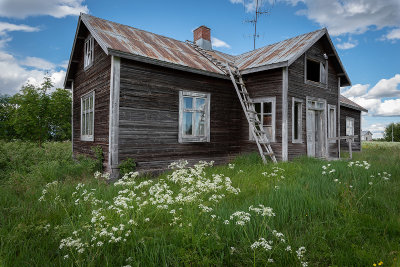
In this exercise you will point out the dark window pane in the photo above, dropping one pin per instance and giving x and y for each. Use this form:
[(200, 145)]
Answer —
[(257, 107), (313, 70), (187, 123), (268, 107), (267, 120), (187, 102)]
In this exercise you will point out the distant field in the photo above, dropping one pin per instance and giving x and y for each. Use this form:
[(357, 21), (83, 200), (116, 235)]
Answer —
[(306, 212)]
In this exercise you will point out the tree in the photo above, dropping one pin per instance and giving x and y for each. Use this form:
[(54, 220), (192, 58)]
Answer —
[(396, 132), (60, 114), (6, 112)]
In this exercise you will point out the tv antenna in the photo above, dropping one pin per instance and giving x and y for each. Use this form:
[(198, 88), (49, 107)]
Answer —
[(254, 20)]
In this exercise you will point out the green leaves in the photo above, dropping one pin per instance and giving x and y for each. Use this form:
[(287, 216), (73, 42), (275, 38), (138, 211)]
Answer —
[(36, 115)]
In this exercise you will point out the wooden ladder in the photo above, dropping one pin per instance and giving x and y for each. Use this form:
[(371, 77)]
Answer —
[(259, 134)]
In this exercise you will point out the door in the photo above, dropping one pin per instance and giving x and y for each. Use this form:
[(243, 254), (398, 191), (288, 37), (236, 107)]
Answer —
[(310, 133)]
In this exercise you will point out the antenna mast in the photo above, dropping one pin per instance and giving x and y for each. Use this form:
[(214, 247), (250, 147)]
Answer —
[(254, 21)]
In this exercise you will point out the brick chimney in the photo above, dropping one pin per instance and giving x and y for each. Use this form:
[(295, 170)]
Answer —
[(202, 37)]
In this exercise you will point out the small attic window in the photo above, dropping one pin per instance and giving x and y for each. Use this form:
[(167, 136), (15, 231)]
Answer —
[(89, 47), (316, 71)]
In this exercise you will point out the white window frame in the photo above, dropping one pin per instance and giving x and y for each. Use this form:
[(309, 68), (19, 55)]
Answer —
[(332, 130), (88, 52), (263, 100), (87, 135), (299, 122), (348, 132), (323, 72), (182, 138)]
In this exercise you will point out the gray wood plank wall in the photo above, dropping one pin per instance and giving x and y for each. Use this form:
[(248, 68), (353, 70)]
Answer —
[(96, 78), (299, 89)]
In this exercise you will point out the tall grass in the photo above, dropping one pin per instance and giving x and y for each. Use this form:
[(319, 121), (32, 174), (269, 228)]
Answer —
[(344, 217)]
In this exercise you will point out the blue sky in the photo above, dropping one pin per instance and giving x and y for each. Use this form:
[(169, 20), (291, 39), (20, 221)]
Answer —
[(36, 36)]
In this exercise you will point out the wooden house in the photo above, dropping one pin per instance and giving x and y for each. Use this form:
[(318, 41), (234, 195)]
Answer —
[(366, 136), (157, 100)]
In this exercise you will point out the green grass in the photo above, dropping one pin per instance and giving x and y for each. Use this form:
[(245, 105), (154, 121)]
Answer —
[(339, 225)]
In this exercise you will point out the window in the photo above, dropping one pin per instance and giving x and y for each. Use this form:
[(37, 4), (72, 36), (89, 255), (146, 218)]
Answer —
[(349, 126), (265, 108), (316, 71), (194, 117), (87, 117), (297, 120), (331, 121), (88, 57)]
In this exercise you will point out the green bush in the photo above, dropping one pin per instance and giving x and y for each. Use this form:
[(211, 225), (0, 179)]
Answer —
[(126, 166), (98, 154)]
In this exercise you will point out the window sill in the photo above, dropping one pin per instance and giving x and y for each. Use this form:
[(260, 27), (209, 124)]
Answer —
[(318, 84), (87, 138), (297, 142), (189, 140), (88, 67)]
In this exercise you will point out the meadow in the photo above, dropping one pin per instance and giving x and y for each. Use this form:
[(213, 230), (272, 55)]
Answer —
[(56, 211)]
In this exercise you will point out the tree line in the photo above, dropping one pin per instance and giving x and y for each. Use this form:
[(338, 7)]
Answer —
[(36, 114)]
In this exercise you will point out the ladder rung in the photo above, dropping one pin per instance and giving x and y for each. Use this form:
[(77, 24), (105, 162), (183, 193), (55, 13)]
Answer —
[(251, 111), (268, 153), (244, 92), (248, 102)]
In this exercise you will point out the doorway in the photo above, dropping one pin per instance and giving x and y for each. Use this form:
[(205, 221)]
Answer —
[(315, 127)]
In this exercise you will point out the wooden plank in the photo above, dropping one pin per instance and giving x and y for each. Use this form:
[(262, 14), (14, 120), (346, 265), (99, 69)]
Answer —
[(114, 117)]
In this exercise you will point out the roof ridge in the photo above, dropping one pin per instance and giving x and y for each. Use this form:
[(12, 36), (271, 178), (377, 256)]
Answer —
[(84, 14), (258, 49)]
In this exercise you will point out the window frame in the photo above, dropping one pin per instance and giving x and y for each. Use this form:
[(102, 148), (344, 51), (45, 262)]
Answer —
[(332, 132), (182, 138), (323, 84), (87, 137), (352, 120), (88, 41), (299, 122), (263, 100)]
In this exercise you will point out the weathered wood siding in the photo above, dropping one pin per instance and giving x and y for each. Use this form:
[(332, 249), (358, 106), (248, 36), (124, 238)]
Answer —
[(299, 89), (355, 114), (265, 84), (149, 110), (96, 78)]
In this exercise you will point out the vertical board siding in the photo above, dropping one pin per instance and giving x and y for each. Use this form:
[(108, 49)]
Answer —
[(299, 89), (355, 114), (96, 78)]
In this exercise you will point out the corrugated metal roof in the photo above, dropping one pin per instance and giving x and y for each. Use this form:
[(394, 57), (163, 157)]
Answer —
[(283, 51), (347, 102), (126, 39)]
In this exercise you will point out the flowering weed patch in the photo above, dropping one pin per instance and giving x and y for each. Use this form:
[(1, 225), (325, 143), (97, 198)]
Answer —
[(303, 213)]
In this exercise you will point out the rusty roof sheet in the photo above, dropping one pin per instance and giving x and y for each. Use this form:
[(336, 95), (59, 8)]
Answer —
[(283, 51), (126, 39), (347, 102)]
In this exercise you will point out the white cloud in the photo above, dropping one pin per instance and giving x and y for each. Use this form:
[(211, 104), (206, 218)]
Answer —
[(351, 16), (9, 27), (347, 45), (13, 74), (386, 88), (38, 63), (392, 35), (219, 43), (55, 8), (356, 90), (381, 100)]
